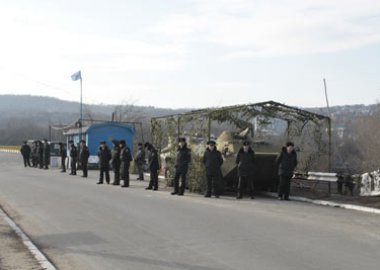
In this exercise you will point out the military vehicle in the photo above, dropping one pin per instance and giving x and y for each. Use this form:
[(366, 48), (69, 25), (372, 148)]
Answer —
[(228, 143)]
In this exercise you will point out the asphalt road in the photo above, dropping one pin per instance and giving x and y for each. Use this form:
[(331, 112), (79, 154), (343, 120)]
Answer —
[(81, 225)]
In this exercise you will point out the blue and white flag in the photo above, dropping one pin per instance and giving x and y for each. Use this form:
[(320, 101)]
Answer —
[(76, 76)]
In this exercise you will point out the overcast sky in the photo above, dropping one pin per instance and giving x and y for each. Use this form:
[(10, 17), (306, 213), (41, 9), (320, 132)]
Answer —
[(192, 53)]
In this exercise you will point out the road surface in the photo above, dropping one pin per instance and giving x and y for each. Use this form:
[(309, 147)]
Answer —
[(81, 225)]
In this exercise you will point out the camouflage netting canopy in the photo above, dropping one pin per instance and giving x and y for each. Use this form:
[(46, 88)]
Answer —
[(310, 132)]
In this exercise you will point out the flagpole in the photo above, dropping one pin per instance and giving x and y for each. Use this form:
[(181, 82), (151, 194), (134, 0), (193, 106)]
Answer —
[(81, 108)]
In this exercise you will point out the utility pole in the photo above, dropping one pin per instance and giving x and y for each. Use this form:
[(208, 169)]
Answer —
[(329, 123), (81, 109), (327, 98)]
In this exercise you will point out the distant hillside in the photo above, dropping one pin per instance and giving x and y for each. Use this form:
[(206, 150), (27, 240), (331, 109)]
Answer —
[(23, 116), (23, 104), (26, 116)]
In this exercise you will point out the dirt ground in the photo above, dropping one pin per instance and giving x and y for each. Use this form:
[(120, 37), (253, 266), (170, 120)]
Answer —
[(13, 253)]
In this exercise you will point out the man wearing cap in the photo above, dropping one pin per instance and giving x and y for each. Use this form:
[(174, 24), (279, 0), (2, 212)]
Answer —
[(63, 155), (84, 154), (245, 162), (213, 160), (125, 161), (25, 152), (104, 155), (140, 161), (46, 154), (73, 158), (181, 167), (40, 153), (154, 166), (286, 163), (34, 154), (115, 161)]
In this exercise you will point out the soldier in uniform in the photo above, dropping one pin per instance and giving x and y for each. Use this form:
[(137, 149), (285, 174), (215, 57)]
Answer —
[(104, 155), (140, 161), (84, 154), (46, 154), (181, 167), (40, 151), (73, 158), (245, 161), (286, 163), (154, 166), (125, 160), (213, 160), (63, 155), (115, 161), (25, 152), (34, 154)]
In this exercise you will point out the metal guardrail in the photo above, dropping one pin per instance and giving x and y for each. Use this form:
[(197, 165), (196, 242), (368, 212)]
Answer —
[(315, 178), (323, 177)]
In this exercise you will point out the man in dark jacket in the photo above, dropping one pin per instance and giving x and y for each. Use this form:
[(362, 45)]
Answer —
[(46, 154), (286, 163), (140, 161), (25, 152), (63, 155), (181, 167), (104, 155), (245, 161), (40, 152), (125, 161), (84, 154), (213, 160), (154, 166), (34, 154), (115, 161), (73, 158)]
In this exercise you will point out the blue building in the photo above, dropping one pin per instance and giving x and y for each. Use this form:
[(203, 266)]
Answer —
[(96, 133)]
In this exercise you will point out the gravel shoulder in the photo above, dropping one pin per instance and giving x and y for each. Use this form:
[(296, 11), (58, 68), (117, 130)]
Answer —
[(13, 253)]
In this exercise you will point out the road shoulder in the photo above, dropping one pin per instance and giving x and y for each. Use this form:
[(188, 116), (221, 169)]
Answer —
[(16, 250)]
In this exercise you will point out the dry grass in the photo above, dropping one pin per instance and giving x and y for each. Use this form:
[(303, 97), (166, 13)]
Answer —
[(10, 147)]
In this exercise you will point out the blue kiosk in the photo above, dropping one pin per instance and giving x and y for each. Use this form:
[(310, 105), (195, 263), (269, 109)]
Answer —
[(96, 133)]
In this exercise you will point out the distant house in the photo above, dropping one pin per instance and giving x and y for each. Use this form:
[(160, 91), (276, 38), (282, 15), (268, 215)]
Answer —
[(96, 133)]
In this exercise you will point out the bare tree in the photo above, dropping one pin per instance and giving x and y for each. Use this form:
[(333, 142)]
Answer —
[(127, 111), (367, 139)]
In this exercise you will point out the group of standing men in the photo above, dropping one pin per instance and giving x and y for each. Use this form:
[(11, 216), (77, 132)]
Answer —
[(78, 157), (38, 153), (286, 162), (120, 157)]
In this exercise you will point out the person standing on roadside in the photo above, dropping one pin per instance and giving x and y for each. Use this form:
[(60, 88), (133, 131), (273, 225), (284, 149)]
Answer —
[(115, 161), (84, 154), (286, 163), (125, 161), (245, 162), (181, 167), (73, 158), (25, 152), (63, 155), (154, 166), (104, 155), (46, 154), (34, 154), (213, 160), (40, 151)]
